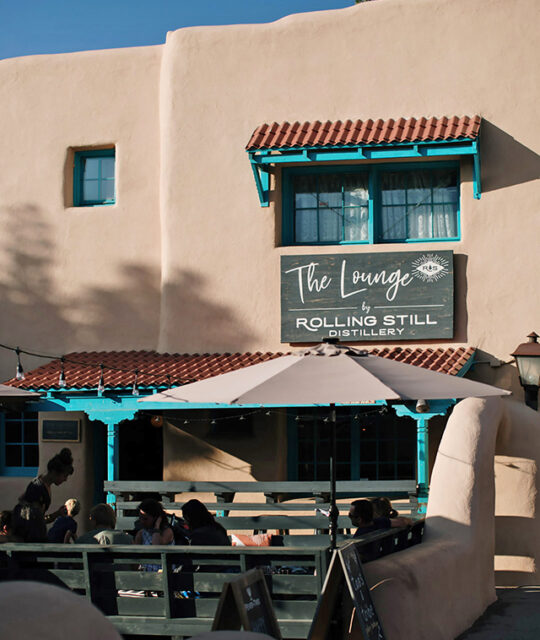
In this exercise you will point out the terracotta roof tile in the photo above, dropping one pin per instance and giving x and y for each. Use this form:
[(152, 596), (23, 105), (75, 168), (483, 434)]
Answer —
[(358, 132), (82, 370)]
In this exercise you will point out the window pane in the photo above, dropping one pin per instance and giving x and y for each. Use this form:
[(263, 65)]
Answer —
[(13, 432), (343, 472), (13, 455), (444, 221), (31, 456), (90, 168), (355, 189), (305, 450), (368, 451), (91, 190), (31, 431), (107, 190), (107, 168), (445, 186), (420, 222), (419, 187), (394, 223), (330, 225), (393, 188), (387, 472), (305, 192), (406, 470), (323, 471), (306, 226), (330, 191), (368, 471), (356, 224)]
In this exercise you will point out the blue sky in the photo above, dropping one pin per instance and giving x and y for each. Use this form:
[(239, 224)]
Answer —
[(29, 27)]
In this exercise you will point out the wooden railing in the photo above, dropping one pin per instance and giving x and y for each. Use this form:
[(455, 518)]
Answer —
[(181, 599)]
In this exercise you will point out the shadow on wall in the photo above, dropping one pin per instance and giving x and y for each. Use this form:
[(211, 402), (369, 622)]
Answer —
[(505, 161), (122, 312), (189, 317)]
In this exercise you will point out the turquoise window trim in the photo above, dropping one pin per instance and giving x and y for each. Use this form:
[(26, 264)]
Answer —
[(404, 150), (374, 205), (78, 175), (5, 471)]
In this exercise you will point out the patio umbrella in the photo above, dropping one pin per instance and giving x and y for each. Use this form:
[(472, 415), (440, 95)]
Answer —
[(14, 393), (327, 374)]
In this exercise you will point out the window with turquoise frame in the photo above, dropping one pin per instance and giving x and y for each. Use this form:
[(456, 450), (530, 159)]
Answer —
[(94, 178), (19, 447), (369, 446), (375, 204)]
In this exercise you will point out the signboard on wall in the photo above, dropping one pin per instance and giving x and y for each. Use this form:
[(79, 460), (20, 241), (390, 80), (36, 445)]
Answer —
[(61, 430), (367, 296)]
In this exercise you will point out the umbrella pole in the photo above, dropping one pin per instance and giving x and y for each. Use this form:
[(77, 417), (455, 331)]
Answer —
[(334, 513)]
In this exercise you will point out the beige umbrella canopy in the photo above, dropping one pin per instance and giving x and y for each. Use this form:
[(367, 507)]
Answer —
[(13, 393), (327, 374), (324, 375)]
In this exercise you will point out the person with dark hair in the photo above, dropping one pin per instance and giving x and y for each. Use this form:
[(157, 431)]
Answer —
[(203, 529), (38, 492), (382, 508), (103, 519), (361, 515), (155, 527)]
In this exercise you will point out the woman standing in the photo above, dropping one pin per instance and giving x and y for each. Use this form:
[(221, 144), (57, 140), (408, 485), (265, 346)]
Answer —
[(30, 516)]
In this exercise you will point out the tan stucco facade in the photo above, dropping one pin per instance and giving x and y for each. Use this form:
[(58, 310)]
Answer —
[(170, 256), (188, 261)]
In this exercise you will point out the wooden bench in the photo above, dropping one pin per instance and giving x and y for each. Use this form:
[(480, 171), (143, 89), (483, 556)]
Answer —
[(275, 511), (183, 603)]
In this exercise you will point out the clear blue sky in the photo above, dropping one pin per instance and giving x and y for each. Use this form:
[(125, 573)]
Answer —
[(29, 27)]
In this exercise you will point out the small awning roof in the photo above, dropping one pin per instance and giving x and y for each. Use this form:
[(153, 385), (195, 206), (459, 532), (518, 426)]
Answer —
[(350, 140), (159, 370)]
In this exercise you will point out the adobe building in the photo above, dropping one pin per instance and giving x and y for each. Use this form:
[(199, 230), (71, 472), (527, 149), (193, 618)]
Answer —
[(369, 174)]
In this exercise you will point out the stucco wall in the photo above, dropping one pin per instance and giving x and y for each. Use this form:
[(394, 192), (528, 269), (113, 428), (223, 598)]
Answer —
[(388, 58), (438, 589), (86, 277), (187, 260)]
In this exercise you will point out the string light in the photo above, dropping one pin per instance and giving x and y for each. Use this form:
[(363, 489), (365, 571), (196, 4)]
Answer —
[(62, 377), (135, 390), (168, 381), (101, 383), (19, 375)]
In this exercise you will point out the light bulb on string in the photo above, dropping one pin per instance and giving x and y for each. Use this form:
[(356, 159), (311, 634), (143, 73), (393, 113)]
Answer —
[(101, 383), (242, 417), (168, 381), (62, 376), (186, 421), (19, 375), (135, 390)]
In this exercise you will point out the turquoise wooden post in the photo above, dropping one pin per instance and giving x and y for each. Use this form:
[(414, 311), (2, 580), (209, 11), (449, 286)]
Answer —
[(422, 457), (112, 456)]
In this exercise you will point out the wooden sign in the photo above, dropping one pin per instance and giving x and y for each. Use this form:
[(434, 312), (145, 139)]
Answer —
[(405, 295), (332, 618), (245, 602), (61, 430)]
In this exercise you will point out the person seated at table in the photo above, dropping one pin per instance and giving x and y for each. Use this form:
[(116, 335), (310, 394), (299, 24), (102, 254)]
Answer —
[(203, 529), (382, 508), (361, 515), (103, 520), (64, 528), (155, 527)]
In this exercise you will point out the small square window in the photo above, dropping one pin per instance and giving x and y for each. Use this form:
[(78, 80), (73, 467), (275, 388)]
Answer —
[(94, 178), (19, 446)]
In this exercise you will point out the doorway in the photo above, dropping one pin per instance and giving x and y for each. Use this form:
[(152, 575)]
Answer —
[(140, 450)]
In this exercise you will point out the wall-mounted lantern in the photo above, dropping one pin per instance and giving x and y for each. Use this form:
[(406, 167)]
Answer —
[(527, 357)]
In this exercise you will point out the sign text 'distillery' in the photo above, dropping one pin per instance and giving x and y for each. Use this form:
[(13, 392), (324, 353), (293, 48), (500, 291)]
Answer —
[(367, 296)]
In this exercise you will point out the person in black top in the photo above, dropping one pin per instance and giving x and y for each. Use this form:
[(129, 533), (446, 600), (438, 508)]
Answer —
[(361, 515), (30, 515), (203, 529)]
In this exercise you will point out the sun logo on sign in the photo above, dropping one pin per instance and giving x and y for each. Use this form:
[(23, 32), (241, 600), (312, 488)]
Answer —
[(430, 267)]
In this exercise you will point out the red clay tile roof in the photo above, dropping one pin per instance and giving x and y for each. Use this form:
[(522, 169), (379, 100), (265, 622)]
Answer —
[(366, 132), (82, 370)]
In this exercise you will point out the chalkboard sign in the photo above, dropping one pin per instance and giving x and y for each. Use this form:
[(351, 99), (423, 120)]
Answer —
[(345, 575), (61, 430), (245, 602), (406, 295)]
